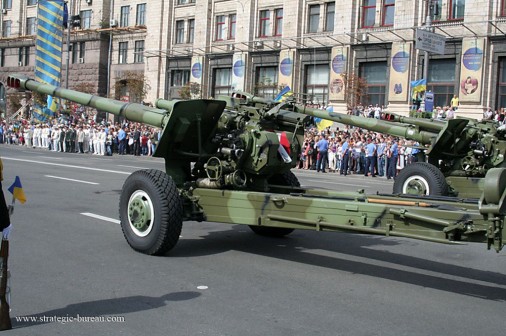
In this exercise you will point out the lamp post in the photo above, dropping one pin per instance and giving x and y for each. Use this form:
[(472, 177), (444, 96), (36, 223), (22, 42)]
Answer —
[(69, 24)]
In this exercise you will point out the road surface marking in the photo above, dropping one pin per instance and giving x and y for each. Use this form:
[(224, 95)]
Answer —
[(68, 166), (132, 167), (50, 157), (69, 179), (107, 219)]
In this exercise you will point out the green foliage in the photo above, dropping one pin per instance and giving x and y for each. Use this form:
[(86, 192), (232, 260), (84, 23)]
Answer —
[(134, 84), (190, 90)]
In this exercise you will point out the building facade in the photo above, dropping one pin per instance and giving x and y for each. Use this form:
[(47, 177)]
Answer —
[(259, 46)]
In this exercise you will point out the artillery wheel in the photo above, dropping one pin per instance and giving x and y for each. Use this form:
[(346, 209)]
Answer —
[(285, 179), (151, 212), (421, 178), (495, 183)]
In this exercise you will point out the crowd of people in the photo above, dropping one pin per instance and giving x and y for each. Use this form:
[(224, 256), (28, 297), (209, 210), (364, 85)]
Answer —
[(345, 150), (82, 136), (356, 151)]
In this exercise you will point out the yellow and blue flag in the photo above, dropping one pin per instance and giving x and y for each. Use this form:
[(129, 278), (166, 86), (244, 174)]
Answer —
[(418, 86), (51, 18), (283, 94), (322, 124), (51, 103), (16, 189)]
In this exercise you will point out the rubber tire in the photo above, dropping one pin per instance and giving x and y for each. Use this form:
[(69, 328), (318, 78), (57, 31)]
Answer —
[(432, 176), (168, 211), (285, 179)]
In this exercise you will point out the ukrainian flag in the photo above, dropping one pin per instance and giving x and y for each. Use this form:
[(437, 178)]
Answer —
[(48, 61), (283, 94), (16, 190), (322, 124), (418, 86)]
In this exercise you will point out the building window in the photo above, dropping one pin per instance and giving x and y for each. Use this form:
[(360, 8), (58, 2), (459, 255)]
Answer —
[(31, 2), (6, 29), (374, 75), (140, 19), (123, 53), (441, 80), (436, 10), (74, 52), (231, 26), (125, 14), (179, 77), (24, 56), (139, 52), (85, 19), (222, 81), (82, 51), (220, 28), (368, 13), (266, 82), (184, 2), (2, 59), (191, 30), (179, 31), (501, 89), (314, 18), (265, 23), (7, 4), (278, 22), (329, 16), (31, 26), (317, 83), (388, 12), (502, 11), (457, 8)]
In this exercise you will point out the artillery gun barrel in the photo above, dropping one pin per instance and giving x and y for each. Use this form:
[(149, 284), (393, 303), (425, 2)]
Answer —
[(131, 111), (252, 98), (426, 124), (410, 132)]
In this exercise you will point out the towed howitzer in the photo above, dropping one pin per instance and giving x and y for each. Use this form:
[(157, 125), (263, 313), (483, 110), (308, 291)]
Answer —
[(458, 152), (230, 161)]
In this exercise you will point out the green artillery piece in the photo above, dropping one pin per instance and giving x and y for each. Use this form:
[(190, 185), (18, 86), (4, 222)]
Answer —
[(459, 152), (230, 161)]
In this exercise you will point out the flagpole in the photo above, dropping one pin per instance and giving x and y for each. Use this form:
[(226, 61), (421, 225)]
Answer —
[(69, 23)]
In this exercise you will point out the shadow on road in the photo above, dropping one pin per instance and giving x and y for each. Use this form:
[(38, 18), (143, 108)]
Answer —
[(296, 248), (106, 307)]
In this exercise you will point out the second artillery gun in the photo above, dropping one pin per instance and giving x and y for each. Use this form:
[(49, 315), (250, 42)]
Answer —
[(230, 161), (456, 154)]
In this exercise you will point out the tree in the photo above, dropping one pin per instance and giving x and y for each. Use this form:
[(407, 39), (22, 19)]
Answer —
[(355, 89), (190, 90), (132, 84)]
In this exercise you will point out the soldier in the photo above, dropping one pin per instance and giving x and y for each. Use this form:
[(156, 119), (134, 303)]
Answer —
[(68, 135), (55, 135), (63, 130), (72, 138), (80, 139)]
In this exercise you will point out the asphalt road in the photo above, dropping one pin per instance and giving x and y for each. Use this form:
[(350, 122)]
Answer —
[(68, 262)]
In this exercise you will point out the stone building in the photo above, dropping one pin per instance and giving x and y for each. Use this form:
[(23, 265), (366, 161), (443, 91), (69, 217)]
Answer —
[(260, 46)]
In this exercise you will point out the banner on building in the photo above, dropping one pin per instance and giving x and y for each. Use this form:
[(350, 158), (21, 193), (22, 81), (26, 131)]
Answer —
[(471, 70), (238, 71), (285, 68), (400, 64), (196, 70), (48, 49), (338, 67)]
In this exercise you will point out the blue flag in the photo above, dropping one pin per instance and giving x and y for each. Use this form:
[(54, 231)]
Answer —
[(283, 94)]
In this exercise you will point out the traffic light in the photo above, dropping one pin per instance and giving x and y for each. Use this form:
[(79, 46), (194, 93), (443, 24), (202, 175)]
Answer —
[(13, 82)]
